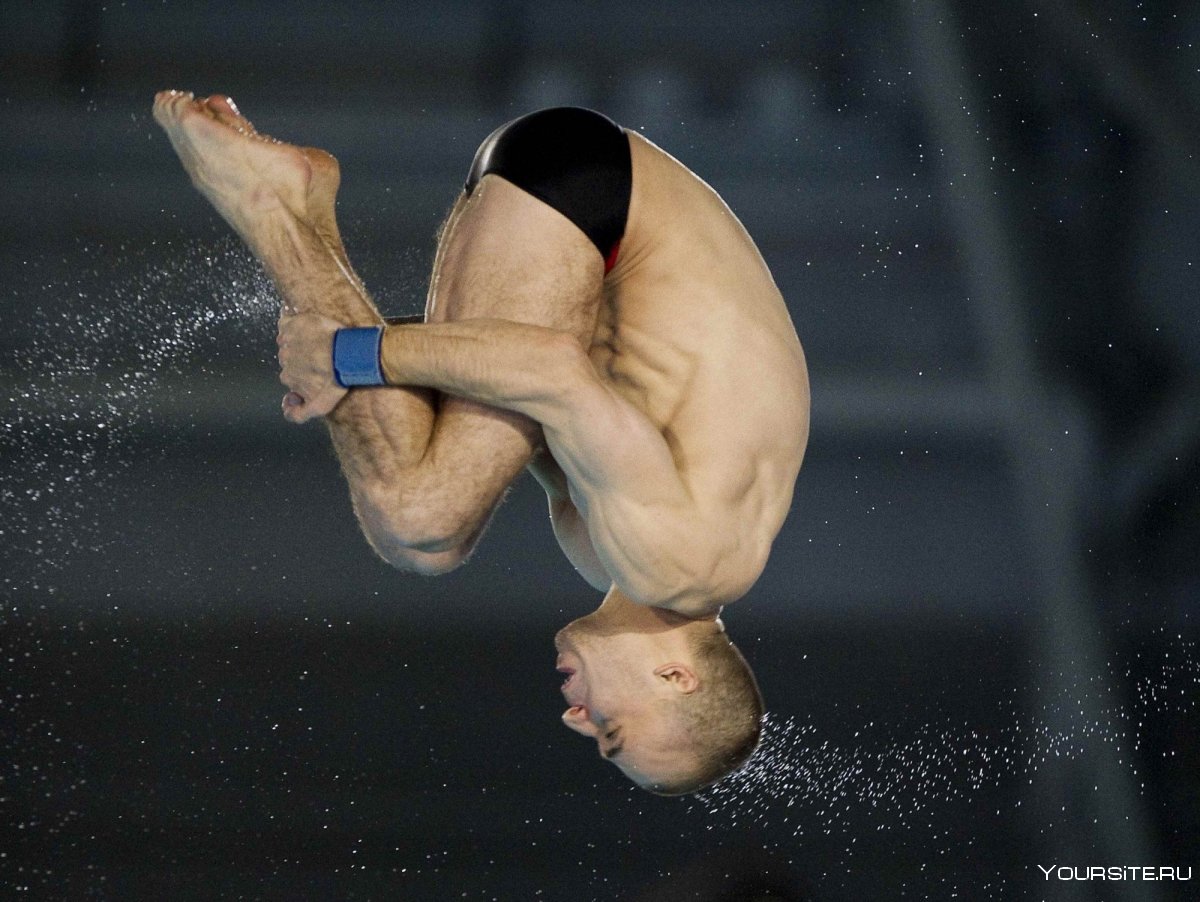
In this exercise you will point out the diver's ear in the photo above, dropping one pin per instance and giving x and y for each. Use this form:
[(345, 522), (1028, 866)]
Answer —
[(681, 677)]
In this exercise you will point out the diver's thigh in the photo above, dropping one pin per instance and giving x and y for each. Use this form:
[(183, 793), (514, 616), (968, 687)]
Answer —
[(504, 255), (507, 255)]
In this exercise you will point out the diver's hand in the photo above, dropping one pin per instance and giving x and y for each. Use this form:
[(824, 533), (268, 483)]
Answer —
[(306, 365)]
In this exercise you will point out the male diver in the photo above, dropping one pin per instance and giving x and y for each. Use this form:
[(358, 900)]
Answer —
[(597, 314)]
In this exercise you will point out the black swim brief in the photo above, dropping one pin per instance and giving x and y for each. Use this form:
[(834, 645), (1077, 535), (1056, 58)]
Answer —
[(573, 159)]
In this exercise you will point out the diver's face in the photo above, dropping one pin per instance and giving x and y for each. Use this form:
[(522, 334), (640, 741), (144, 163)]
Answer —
[(615, 697)]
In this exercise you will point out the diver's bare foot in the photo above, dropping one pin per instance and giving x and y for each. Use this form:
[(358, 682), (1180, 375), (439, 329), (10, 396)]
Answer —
[(246, 176)]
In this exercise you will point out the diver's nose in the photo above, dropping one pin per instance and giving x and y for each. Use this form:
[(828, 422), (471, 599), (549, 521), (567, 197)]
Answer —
[(576, 718)]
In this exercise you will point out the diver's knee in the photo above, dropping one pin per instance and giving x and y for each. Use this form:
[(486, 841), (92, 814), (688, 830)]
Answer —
[(428, 524), (420, 539), (427, 563), (428, 533)]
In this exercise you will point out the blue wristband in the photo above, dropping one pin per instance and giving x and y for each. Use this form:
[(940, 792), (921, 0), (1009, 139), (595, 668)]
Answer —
[(356, 356)]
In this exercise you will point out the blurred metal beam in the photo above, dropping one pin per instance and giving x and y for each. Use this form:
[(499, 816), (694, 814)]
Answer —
[(1163, 445), (1067, 637), (249, 401), (1167, 115)]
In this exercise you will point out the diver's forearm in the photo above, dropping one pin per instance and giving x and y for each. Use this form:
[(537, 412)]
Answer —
[(519, 367)]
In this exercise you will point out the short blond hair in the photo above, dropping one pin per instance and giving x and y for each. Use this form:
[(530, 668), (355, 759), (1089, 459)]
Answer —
[(722, 719)]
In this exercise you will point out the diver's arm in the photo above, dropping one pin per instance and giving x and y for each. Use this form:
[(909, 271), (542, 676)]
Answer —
[(648, 531), (660, 546), (569, 527)]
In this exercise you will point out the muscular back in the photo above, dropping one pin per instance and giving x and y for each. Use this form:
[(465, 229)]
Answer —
[(694, 332)]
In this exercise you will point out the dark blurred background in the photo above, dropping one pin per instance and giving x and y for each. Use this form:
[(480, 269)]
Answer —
[(984, 220)]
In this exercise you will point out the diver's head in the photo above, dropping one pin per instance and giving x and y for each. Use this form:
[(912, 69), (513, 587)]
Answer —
[(669, 700)]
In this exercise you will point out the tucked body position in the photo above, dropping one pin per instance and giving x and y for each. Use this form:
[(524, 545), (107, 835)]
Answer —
[(596, 314)]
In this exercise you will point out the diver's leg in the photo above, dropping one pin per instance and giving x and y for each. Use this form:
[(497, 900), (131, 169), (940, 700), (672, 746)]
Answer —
[(425, 471), (280, 200), (503, 255)]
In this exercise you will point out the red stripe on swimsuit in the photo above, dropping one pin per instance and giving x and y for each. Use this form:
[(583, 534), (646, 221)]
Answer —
[(611, 260)]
